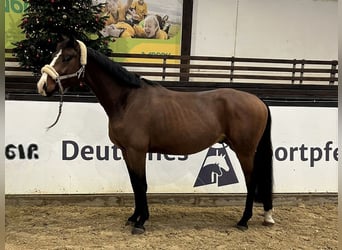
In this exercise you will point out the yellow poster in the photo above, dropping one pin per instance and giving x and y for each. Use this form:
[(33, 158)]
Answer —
[(150, 27), (14, 10)]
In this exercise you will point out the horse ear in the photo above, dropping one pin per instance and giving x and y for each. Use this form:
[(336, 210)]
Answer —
[(68, 39), (72, 43), (62, 37)]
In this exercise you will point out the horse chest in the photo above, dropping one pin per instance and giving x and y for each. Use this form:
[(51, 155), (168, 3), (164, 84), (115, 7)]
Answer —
[(115, 132)]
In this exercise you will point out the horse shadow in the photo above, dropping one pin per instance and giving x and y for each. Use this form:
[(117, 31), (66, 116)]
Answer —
[(184, 218)]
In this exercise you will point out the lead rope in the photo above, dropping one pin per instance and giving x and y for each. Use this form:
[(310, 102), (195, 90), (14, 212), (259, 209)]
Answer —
[(80, 74), (60, 105), (59, 113)]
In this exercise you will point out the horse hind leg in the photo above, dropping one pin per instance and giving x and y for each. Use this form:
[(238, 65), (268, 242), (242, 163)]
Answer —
[(247, 167), (258, 177)]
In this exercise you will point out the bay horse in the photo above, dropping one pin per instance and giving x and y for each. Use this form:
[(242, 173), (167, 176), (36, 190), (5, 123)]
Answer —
[(146, 117)]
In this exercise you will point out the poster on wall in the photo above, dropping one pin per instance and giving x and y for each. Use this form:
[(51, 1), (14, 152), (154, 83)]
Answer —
[(144, 26), (137, 26), (14, 10)]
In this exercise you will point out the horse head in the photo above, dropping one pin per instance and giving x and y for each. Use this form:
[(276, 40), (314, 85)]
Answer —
[(65, 69)]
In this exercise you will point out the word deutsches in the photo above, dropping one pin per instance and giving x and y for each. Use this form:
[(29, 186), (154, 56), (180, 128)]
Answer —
[(71, 150)]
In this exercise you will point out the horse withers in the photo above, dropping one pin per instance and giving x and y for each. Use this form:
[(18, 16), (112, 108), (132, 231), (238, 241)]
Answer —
[(146, 117)]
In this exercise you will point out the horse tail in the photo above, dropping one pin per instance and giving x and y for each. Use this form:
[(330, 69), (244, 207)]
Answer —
[(263, 167)]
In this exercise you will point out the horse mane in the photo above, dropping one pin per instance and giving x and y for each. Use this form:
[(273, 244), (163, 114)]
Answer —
[(122, 75)]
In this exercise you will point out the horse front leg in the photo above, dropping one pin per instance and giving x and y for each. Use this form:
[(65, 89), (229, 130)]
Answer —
[(141, 213), (136, 168)]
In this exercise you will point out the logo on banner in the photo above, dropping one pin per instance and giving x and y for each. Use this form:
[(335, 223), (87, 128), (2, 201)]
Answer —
[(216, 168)]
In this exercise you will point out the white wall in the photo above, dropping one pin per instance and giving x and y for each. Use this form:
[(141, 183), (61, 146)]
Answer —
[(266, 28), (71, 158)]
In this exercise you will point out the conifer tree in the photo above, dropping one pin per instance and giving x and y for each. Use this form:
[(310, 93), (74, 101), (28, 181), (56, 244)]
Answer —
[(45, 21)]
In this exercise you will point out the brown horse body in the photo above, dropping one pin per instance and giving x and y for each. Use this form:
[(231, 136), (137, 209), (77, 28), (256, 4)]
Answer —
[(146, 117)]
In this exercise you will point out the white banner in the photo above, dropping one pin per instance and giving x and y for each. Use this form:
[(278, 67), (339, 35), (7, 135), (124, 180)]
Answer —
[(77, 157)]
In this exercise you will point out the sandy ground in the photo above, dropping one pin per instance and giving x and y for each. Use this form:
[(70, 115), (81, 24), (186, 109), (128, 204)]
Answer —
[(299, 226)]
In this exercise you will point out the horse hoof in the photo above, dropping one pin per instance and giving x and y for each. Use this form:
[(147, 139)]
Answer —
[(138, 230), (268, 223), (242, 227)]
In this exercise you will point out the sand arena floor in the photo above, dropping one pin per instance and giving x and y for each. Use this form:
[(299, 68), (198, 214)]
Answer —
[(298, 226)]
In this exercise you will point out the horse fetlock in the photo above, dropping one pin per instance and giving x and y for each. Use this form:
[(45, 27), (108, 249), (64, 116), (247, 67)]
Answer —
[(133, 219), (130, 223), (246, 216)]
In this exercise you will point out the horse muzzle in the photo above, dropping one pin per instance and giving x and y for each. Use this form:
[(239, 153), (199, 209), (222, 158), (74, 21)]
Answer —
[(42, 85)]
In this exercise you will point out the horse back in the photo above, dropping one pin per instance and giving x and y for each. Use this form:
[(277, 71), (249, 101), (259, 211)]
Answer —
[(175, 122)]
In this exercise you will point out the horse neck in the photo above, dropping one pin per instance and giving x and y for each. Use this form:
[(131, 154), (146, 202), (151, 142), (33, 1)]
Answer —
[(109, 93)]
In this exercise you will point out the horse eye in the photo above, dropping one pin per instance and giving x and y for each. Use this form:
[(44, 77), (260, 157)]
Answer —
[(67, 58)]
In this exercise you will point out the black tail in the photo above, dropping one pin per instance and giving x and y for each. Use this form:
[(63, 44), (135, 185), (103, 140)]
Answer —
[(263, 167)]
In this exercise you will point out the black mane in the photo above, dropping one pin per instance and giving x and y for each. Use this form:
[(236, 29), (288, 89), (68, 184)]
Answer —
[(116, 70)]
